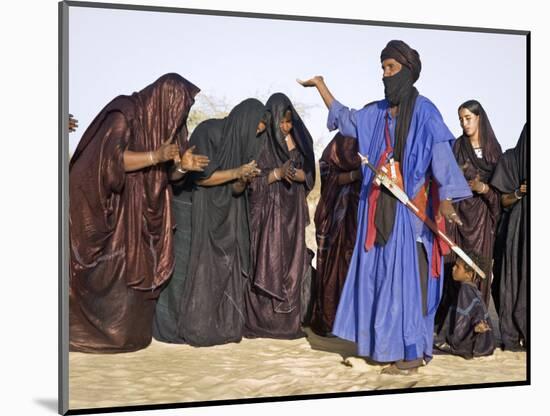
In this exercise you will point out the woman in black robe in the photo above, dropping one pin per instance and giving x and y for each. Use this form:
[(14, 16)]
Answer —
[(510, 268), (209, 305), (279, 216), (167, 313)]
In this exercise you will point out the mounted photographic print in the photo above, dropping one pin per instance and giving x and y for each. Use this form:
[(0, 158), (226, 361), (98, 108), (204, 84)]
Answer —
[(272, 207)]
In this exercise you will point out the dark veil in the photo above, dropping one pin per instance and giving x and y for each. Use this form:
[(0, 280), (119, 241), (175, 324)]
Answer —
[(211, 308), (279, 216), (464, 151), (276, 107)]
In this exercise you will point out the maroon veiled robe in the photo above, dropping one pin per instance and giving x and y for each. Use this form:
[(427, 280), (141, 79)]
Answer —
[(278, 219), (121, 224), (336, 228)]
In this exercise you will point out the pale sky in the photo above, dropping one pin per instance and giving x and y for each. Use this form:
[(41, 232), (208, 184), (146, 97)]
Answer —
[(114, 52)]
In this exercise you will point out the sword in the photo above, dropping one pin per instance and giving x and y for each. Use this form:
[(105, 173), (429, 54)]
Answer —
[(382, 178)]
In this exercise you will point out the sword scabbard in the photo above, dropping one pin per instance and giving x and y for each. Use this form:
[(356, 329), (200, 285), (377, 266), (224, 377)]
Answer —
[(382, 178)]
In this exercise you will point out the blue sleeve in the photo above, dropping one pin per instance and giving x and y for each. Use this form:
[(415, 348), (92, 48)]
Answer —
[(343, 119), (447, 173)]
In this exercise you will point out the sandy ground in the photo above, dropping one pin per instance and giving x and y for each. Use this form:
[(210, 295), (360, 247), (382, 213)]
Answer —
[(167, 373)]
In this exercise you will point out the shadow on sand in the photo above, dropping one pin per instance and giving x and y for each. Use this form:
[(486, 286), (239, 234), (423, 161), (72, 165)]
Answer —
[(346, 349)]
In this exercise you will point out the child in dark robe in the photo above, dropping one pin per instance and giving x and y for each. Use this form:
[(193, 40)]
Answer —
[(467, 328)]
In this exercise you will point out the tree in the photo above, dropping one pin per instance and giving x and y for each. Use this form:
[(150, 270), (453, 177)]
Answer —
[(207, 107)]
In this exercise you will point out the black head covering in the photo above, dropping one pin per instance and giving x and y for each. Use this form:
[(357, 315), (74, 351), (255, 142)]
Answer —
[(405, 55), (464, 151), (511, 171), (230, 142), (275, 109), (399, 90), (239, 133)]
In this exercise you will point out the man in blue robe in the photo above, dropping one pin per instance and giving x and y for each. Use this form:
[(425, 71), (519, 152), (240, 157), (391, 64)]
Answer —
[(395, 277)]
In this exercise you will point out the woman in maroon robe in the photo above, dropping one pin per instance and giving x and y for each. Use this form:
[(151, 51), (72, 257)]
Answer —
[(120, 221), (477, 151), (336, 226), (278, 219)]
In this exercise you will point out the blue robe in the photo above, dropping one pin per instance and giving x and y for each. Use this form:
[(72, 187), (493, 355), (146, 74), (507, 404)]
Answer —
[(381, 304)]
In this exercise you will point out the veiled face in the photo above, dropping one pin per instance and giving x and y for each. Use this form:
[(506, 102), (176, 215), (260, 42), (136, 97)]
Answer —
[(166, 103), (286, 123), (261, 127), (468, 121), (390, 67)]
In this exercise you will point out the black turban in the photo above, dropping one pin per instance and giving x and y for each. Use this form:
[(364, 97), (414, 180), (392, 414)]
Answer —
[(404, 54), (399, 90)]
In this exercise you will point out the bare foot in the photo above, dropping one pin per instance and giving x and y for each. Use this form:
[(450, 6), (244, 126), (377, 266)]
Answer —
[(392, 370)]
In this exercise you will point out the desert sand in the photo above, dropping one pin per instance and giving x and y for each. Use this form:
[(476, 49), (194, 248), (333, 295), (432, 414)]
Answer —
[(168, 373)]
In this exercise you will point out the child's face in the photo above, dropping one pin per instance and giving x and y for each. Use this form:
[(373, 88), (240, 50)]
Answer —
[(286, 123), (460, 274)]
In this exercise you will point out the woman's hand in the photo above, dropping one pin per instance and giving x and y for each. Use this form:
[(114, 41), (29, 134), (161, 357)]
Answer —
[(247, 172), (447, 210), (167, 151), (190, 161), (357, 175), (481, 327), (286, 172), (507, 200), (290, 175), (523, 189), (477, 186), (73, 123)]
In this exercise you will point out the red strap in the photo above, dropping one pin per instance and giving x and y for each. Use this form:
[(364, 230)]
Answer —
[(389, 148), (371, 227), (440, 247)]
